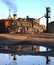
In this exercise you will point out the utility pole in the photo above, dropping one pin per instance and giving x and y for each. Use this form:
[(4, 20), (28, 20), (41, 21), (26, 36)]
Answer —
[(47, 17)]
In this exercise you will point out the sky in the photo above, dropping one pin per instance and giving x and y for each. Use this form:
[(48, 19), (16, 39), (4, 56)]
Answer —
[(32, 8)]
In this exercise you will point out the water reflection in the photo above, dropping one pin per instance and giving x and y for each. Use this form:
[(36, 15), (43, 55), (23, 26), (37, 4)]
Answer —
[(25, 60), (14, 60), (8, 59), (13, 63)]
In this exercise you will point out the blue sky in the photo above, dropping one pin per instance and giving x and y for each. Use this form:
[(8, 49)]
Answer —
[(32, 8)]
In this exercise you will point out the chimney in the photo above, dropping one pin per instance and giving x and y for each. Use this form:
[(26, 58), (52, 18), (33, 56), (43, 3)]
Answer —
[(15, 16)]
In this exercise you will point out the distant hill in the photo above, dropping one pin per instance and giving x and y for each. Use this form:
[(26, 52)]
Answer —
[(51, 27)]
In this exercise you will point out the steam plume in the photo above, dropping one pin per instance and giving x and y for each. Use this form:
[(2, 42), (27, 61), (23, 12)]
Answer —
[(11, 5)]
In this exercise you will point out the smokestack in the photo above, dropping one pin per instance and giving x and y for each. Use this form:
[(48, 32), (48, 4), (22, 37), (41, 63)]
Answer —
[(15, 16)]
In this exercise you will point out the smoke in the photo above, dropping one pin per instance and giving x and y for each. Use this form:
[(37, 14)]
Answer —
[(11, 5)]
